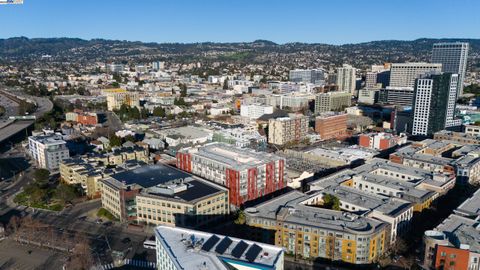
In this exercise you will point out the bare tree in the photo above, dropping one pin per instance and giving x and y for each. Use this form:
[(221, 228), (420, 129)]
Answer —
[(82, 256)]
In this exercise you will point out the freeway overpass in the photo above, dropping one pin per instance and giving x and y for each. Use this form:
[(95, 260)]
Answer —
[(14, 129)]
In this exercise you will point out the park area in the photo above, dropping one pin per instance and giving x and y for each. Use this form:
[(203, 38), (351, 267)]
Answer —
[(46, 192)]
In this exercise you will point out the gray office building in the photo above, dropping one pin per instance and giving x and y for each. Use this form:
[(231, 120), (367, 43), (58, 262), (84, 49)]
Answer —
[(453, 57), (316, 76)]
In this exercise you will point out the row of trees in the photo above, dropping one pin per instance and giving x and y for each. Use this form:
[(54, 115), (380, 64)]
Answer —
[(127, 113), (77, 245)]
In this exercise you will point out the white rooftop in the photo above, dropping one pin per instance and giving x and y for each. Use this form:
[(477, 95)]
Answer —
[(196, 250)]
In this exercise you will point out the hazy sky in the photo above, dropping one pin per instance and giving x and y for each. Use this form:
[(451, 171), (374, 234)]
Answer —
[(323, 21)]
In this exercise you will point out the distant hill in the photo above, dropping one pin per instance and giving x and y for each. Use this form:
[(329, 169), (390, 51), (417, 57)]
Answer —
[(257, 52)]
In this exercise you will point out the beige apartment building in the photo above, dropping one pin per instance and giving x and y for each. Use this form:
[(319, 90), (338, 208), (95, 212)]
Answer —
[(118, 97), (332, 101), (287, 129)]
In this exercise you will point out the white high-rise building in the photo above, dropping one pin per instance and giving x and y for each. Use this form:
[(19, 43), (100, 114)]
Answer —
[(346, 78), (453, 57), (158, 65), (434, 103), (404, 74)]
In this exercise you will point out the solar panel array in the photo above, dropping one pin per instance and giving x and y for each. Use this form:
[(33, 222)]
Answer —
[(223, 245), (239, 249), (210, 242), (253, 252)]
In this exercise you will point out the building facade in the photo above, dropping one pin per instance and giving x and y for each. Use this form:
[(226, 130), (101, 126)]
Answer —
[(287, 129), (247, 174), (118, 97), (331, 126), (48, 151), (315, 76), (159, 194), (404, 74), (332, 101), (254, 111), (434, 103), (346, 79), (453, 57)]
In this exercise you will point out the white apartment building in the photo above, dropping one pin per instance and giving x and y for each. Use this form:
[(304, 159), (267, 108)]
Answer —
[(453, 57), (292, 101), (346, 79), (404, 74), (287, 129), (48, 151), (254, 111)]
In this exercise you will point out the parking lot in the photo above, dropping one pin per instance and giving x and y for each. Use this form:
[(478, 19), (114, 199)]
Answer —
[(22, 257)]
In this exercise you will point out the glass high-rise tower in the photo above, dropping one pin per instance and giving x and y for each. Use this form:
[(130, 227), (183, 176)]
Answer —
[(434, 103)]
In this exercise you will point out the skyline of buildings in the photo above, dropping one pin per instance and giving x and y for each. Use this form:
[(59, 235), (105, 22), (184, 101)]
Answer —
[(304, 168)]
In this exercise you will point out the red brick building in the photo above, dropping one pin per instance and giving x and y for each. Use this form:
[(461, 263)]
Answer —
[(451, 258), (380, 141), (331, 126), (87, 119), (247, 174)]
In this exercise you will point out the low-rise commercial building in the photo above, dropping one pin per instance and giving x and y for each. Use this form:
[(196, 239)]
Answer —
[(254, 111), (247, 174), (159, 194), (381, 141), (427, 155), (179, 248), (457, 137), (187, 135)]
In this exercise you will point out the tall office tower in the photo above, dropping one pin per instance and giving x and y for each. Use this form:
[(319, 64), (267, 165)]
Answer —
[(316, 76), (404, 74), (453, 57), (434, 103), (346, 78)]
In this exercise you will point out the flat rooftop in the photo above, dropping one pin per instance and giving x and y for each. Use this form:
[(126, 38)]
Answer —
[(290, 207), (150, 175), (196, 250), (187, 132), (470, 207), (461, 230), (235, 157), (386, 205), (195, 189)]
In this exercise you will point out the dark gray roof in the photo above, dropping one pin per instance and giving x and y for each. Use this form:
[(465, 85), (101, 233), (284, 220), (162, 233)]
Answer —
[(149, 176)]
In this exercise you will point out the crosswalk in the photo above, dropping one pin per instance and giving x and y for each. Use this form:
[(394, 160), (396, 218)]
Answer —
[(130, 262)]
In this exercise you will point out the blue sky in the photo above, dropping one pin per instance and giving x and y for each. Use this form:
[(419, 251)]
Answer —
[(323, 21)]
